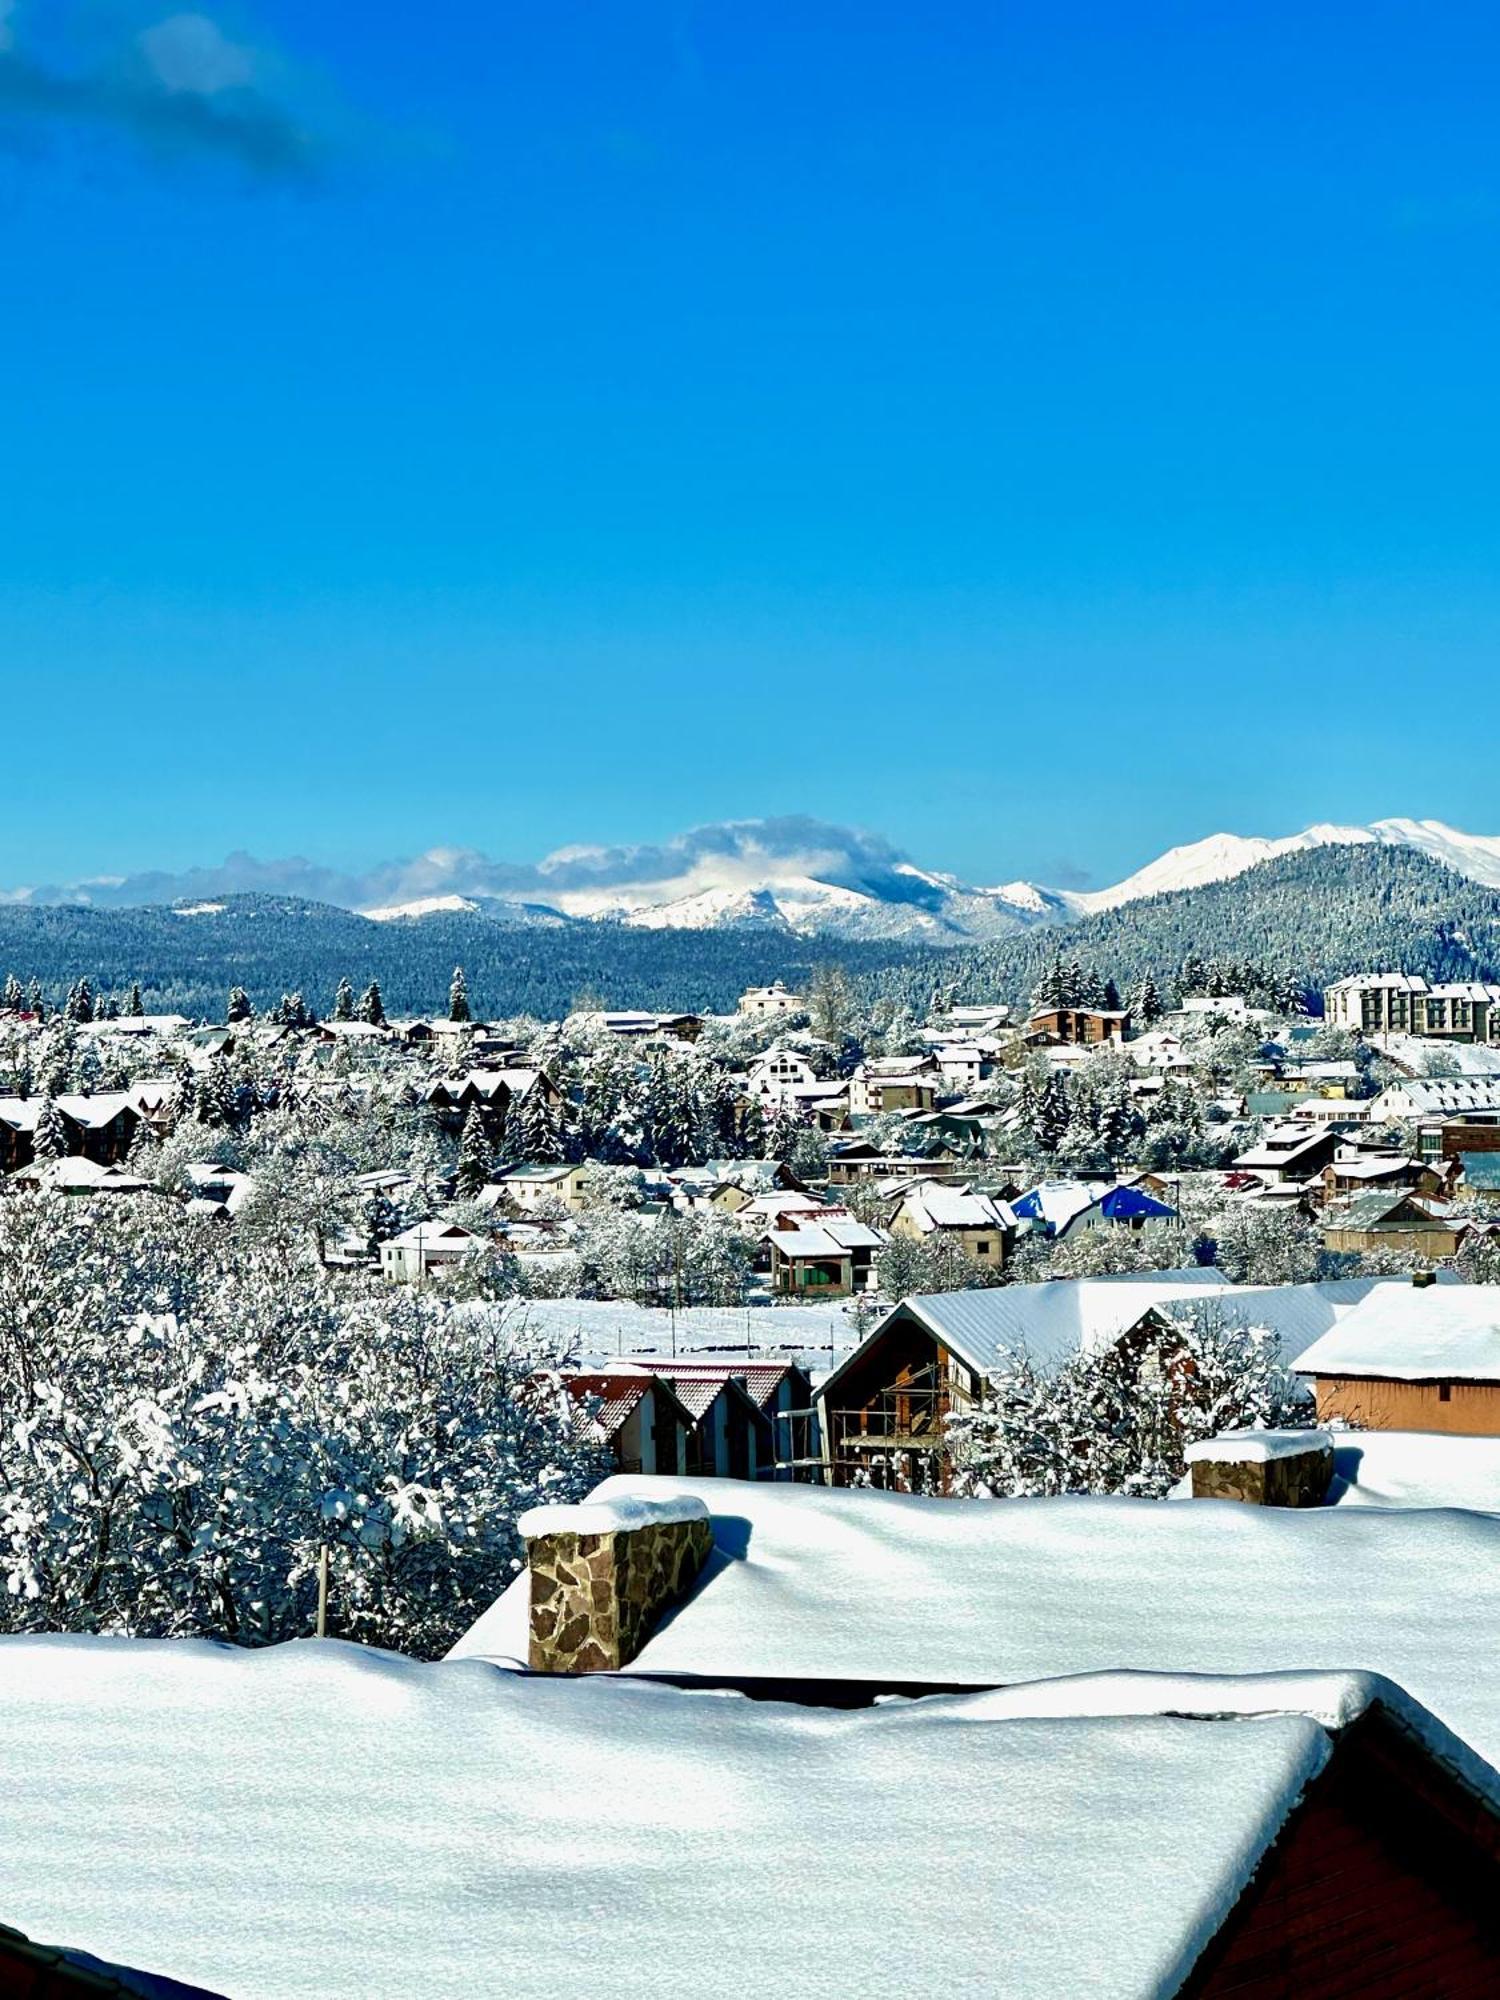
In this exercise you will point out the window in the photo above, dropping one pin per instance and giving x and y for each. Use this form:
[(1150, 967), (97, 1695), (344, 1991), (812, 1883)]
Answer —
[(982, 1249), (1445, 1392)]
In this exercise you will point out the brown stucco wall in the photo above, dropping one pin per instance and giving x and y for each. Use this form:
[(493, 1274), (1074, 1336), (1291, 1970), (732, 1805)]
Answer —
[(1473, 1408)]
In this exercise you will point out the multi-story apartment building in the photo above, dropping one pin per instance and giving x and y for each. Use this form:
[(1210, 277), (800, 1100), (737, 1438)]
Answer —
[(1402, 1003)]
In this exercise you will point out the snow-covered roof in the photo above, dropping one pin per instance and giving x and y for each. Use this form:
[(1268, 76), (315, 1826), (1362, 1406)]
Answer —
[(934, 1206), (821, 1235), (1053, 1321), (277, 1825), (1395, 1469), (1057, 1203), (882, 1587), (1411, 1333)]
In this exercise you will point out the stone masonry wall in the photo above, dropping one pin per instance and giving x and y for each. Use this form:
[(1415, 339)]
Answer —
[(596, 1598), (1296, 1481)]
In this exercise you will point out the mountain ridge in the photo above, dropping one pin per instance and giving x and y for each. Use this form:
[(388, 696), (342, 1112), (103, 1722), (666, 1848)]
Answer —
[(799, 876)]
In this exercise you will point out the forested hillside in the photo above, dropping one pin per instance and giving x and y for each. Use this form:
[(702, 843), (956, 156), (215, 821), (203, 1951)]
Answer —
[(1309, 918), (273, 945)]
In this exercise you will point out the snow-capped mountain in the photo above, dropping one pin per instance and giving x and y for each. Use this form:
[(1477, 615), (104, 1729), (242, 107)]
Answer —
[(798, 875), (1224, 855)]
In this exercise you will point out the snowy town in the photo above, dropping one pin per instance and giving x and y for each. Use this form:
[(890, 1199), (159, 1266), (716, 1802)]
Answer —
[(643, 1352), (749, 1001)]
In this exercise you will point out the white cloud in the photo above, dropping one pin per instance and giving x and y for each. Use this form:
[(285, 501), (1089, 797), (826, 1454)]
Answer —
[(192, 54)]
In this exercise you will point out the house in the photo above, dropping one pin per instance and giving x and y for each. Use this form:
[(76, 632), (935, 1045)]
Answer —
[(751, 1419), (1063, 1208), (636, 1027), (819, 1251), (636, 1413), (1393, 1219), (1479, 1176), (774, 1075), (1080, 1027), (1435, 1097), (1145, 1853), (530, 1186), (1078, 1614), (1289, 1152), (965, 1065), (894, 1083), (982, 1021), (426, 1247), (74, 1174), (981, 1226), (1412, 1357), (493, 1090), (885, 1409), (769, 1003), (1352, 1172)]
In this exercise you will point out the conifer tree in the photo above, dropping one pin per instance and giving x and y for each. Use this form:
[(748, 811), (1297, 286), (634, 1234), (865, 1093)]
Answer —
[(343, 1002), (475, 1156), (371, 1005), (541, 1129), (14, 1001), (458, 997), (50, 1139), (135, 1006), (80, 1002), (239, 1007), (1148, 1006), (36, 1003)]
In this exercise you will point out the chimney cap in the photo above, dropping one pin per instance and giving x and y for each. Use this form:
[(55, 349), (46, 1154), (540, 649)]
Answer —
[(609, 1517)]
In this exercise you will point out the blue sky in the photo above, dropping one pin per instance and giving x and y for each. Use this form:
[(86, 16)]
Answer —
[(1041, 434)]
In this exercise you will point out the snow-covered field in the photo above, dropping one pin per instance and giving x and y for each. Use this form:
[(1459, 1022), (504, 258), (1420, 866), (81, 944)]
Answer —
[(605, 1328)]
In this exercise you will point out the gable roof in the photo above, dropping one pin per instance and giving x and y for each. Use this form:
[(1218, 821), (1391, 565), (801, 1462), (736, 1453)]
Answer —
[(434, 1814), (1412, 1333), (889, 1588), (1050, 1322)]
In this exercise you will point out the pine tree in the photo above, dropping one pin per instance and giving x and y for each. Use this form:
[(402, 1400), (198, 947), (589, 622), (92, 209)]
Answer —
[(239, 1008), (50, 1139), (1053, 1113), (135, 1006), (371, 1006), (1111, 997), (541, 1129), (1148, 1006), (458, 997), (343, 1002), (475, 1157), (80, 1002), (14, 1001), (36, 1004)]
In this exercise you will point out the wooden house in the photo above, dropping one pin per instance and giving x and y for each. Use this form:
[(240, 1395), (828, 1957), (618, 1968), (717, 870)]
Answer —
[(1393, 1220), (1081, 1027), (885, 1409), (637, 1414), (1417, 1357)]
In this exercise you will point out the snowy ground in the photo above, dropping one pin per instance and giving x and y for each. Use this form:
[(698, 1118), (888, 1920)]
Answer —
[(316, 1820), (607, 1328)]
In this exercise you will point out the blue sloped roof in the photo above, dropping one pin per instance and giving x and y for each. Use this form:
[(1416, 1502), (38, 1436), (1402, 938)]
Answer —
[(1125, 1204)]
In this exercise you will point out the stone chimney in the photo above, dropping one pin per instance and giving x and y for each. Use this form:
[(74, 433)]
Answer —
[(603, 1573), (1267, 1468)]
